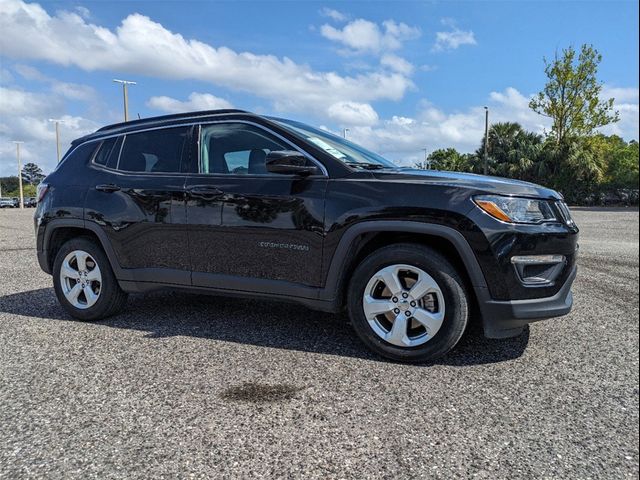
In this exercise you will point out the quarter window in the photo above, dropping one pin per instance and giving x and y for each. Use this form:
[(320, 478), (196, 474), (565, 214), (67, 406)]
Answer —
[(236, 148), (154, 151), (107, 154)]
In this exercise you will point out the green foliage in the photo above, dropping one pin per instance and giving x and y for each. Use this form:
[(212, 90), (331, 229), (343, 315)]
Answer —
[(8, 184), (588, 168), (32, 174), (571, 97), (10, 188), (585, 169), (513, 152), (448, 159)]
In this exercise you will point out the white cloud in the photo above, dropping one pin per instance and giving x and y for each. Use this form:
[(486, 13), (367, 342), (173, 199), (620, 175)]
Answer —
[(363, 36), (84, 12), (196, 101), (18, 102), (141, 46), (24, 116), (5, 76), (626, 102), (72, 91), (30, 73), (397, 64), (621, 95), (453, 38), (334, 15), (353, 113), (402, 138)]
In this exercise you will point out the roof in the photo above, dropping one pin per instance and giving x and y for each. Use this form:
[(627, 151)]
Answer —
[(154, 121), (165, 118)]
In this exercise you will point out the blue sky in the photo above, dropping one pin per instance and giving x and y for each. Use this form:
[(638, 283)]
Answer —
[(402, 76)]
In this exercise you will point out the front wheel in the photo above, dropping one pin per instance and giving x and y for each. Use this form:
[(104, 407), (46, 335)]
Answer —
[(408, 303), (84, 282)]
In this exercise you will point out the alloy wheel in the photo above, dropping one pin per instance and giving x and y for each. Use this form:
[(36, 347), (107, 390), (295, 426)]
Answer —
[(81, 279), (404, 305)]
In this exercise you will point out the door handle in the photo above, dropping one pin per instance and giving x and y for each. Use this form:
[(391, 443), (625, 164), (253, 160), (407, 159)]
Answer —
[(204, 191), (109, 188)]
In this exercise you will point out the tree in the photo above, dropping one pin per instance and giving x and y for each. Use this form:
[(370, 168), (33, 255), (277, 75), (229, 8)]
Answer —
[(513, 151), (448, 159), (9, 184), (32, 174), (618, 160), (571, 97)]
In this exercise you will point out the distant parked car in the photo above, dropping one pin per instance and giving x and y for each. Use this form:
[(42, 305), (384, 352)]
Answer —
[(6, 202), (30, 202)]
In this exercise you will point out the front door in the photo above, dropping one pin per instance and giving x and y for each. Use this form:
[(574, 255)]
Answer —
[(249, 227)]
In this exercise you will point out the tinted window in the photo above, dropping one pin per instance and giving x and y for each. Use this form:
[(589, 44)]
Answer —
[(102, 155), (236, 148), (82, 154), (108, 151), (154, 151)]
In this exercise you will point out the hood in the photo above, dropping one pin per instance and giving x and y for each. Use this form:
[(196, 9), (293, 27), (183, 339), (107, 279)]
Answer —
[(471, 181)]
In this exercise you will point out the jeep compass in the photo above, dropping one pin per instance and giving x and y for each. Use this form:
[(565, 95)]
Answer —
[(233, 203)]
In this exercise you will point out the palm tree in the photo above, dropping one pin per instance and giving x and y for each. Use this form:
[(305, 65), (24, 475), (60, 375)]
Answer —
[(513, 152)]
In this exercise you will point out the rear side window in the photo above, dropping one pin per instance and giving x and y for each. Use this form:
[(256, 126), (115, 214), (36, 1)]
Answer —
[(154, 151), (79, 155), (107, 154)]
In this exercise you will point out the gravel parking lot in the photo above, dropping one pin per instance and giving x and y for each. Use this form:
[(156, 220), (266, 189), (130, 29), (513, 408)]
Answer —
[(196, 386)]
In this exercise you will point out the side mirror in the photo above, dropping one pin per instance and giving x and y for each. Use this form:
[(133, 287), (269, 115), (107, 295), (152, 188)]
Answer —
[(289, 162)]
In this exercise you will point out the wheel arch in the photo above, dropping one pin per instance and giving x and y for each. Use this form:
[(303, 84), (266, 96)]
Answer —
[(364, 238), (60, 231)]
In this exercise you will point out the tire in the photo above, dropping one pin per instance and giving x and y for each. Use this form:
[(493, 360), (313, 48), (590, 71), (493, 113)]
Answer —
[(435, 321), (100, 298)]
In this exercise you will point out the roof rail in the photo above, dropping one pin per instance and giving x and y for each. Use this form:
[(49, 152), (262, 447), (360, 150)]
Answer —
[(173, 116)]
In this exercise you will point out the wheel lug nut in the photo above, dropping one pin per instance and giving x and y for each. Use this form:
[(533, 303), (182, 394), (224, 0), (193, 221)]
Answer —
[(396, 310), (407, 313), (413, 304), (404, 295), (395, 299)]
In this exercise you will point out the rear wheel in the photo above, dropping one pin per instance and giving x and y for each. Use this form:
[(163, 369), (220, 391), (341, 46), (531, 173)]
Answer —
[(408, 303), (84, 282)]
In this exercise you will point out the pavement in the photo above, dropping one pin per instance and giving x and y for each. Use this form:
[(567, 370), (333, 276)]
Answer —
[(206, 387)]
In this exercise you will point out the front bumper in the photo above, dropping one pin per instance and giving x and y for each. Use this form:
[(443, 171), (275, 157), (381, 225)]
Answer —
[(503, 319)]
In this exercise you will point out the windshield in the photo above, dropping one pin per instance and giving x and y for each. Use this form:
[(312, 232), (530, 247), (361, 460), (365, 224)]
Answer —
[(339, 148)]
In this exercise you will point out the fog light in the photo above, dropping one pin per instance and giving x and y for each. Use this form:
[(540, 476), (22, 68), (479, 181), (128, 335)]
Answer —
[(538, 270)]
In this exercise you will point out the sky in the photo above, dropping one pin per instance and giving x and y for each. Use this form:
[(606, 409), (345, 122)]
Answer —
[(402, 77)]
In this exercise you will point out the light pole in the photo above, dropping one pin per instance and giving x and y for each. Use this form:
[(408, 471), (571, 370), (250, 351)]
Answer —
[(344, 132), (57, 122), (125, 95), (19, 172), (486, 140), (427, 163)]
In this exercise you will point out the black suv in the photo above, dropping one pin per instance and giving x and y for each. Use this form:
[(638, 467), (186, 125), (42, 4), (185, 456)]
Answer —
[(234, 203)]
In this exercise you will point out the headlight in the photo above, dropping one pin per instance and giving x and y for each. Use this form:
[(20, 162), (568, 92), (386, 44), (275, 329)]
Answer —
[(516, 210)]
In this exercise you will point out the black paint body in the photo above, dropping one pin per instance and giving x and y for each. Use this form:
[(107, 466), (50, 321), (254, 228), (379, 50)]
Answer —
[(294, 237)]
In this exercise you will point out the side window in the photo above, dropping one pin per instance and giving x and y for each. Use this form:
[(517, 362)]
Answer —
[(154, 151), (107, 154), (82, 154), (236, 149)]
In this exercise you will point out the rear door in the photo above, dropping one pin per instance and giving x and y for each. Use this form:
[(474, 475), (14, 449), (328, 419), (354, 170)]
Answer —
[(138, 199), (248, 226)]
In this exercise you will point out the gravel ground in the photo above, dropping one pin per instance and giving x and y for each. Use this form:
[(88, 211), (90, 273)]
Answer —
[(196, 386)]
